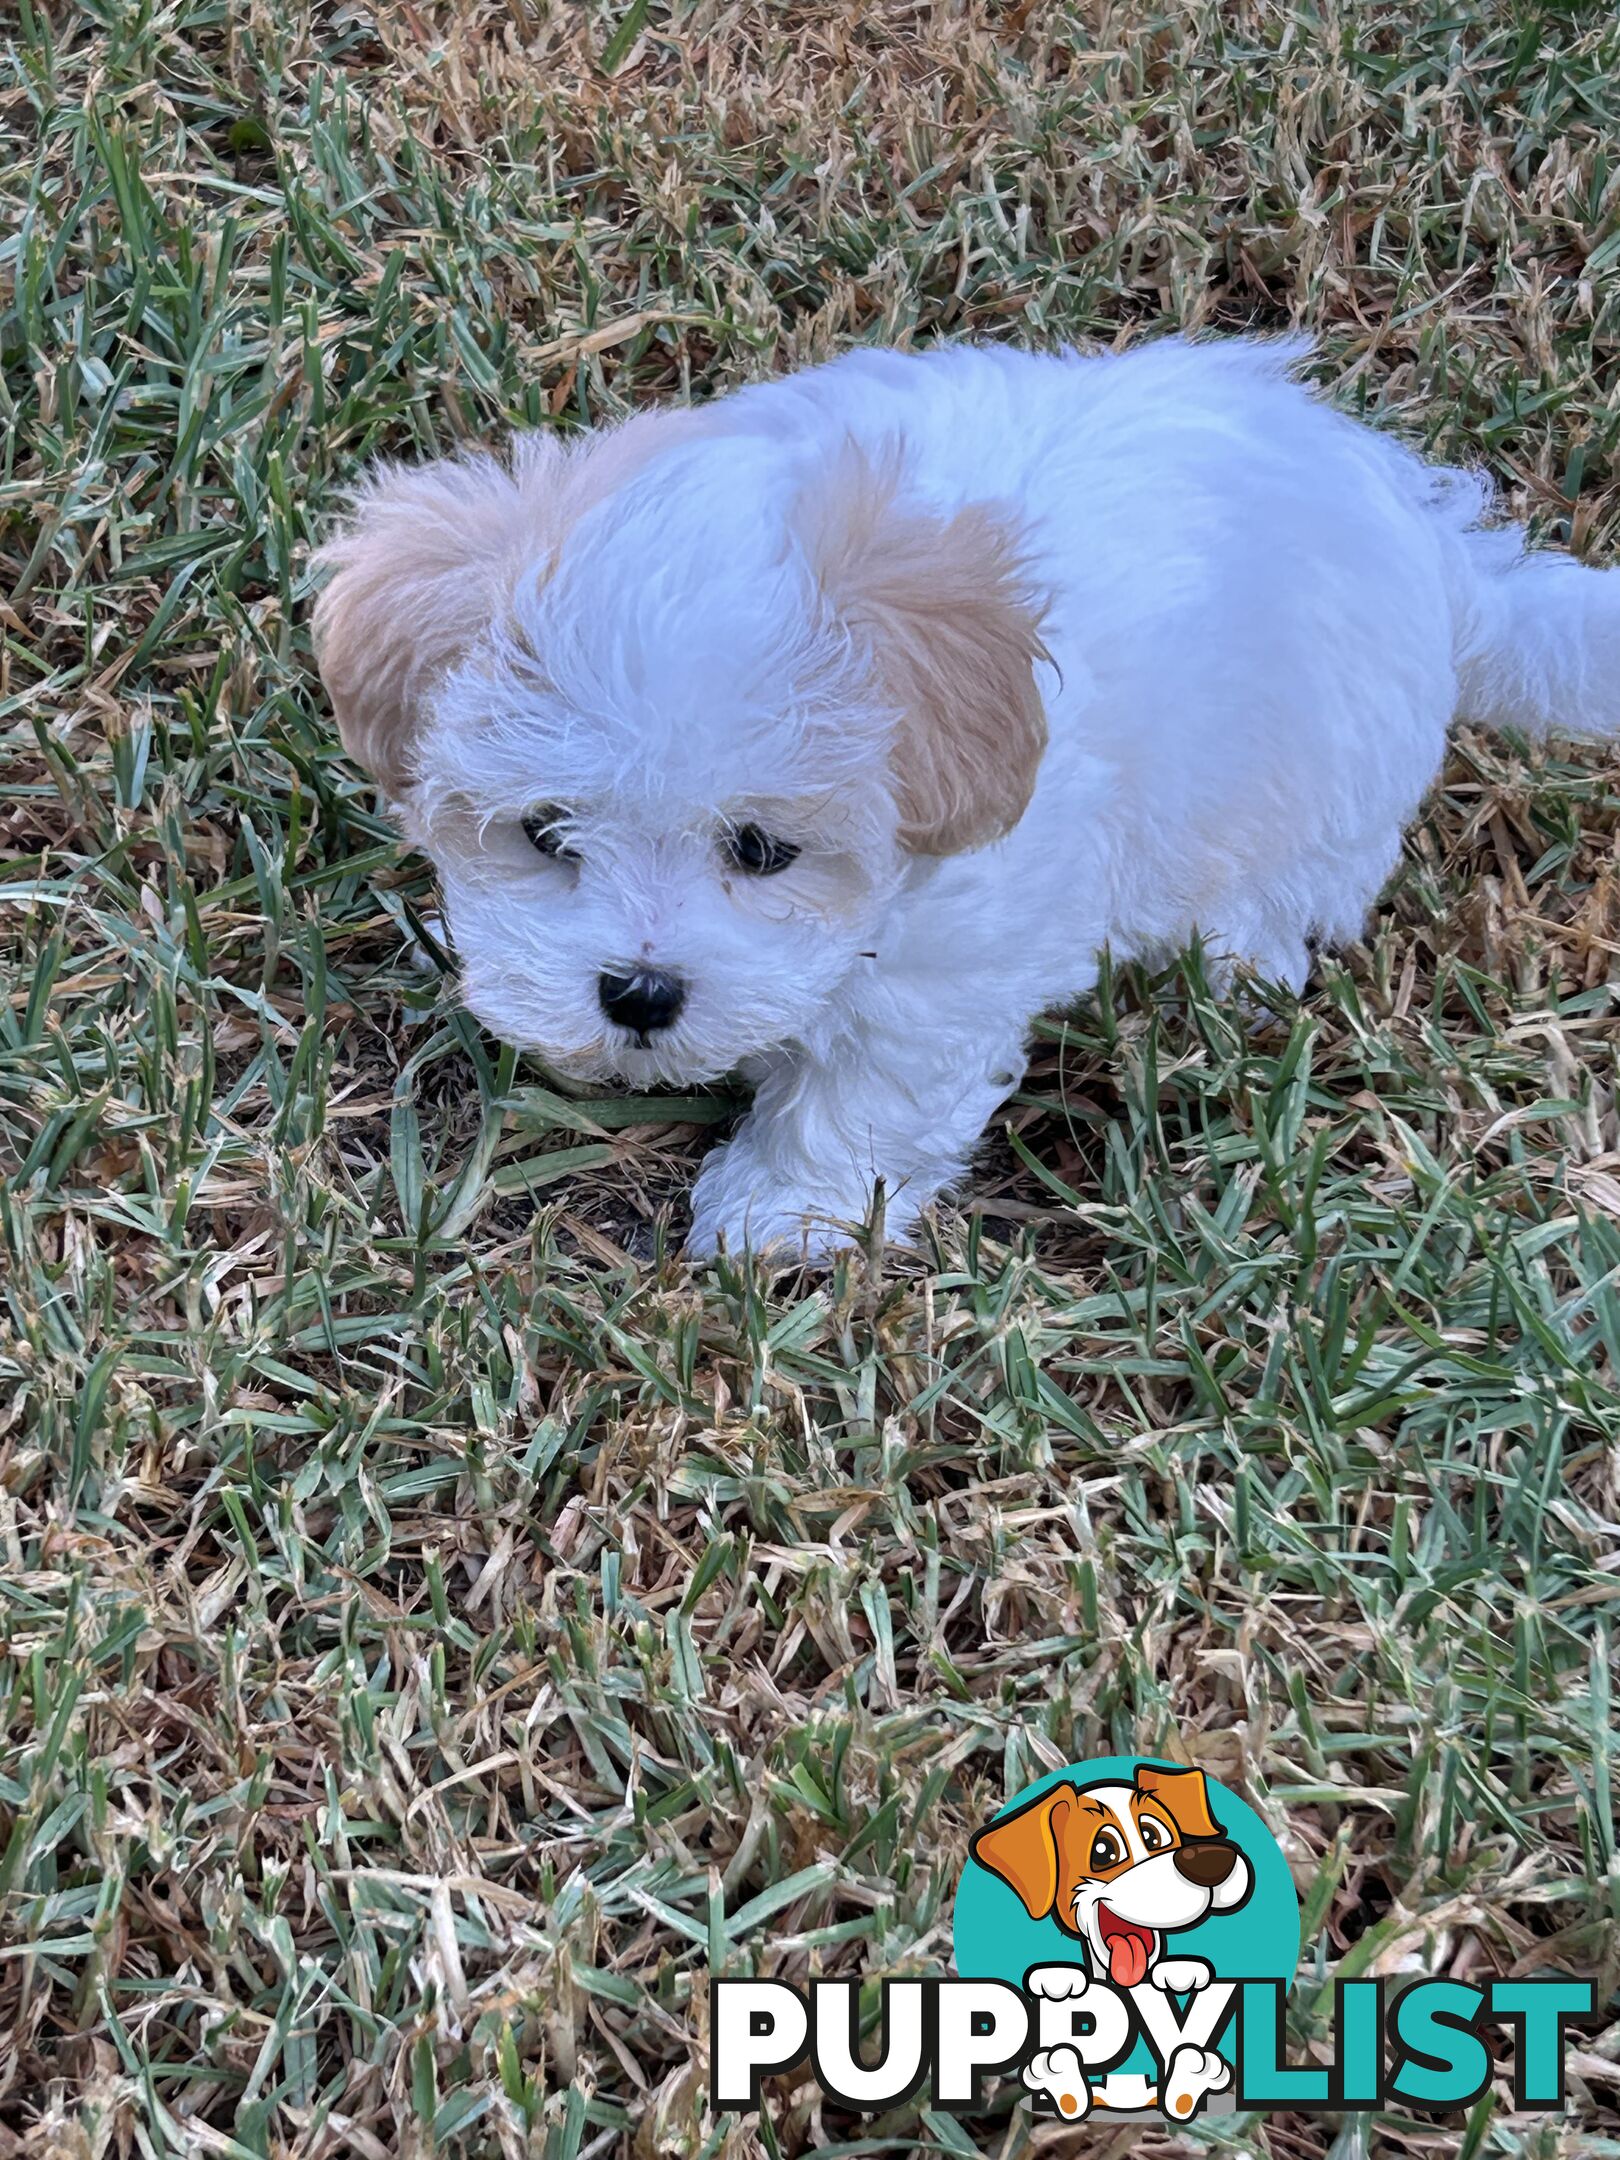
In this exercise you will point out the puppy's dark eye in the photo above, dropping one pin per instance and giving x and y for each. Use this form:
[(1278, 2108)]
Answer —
[(545, 828), (1154, 1835), (757, 853), (1107, 1850)]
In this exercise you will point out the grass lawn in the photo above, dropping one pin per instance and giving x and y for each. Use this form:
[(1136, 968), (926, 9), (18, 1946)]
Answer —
[(438, 1627)]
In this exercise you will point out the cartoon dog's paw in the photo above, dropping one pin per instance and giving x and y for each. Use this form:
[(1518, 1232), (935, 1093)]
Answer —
[(1057, 1983), (1193, 2074), (1057, 2073), (1181, 1976)]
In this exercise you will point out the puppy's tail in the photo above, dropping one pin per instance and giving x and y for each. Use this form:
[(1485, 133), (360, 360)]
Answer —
[(1538, 639)]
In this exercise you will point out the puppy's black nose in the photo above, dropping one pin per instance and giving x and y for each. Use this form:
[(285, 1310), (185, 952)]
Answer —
[(1206, 1865), (644, 1001)]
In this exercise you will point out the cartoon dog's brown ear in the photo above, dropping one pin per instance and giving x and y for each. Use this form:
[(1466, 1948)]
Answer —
[(944, 608), (1022, 1849), (1184, 1796)]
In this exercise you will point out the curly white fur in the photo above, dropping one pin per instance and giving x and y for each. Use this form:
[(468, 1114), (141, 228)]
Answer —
[(1029, 656)]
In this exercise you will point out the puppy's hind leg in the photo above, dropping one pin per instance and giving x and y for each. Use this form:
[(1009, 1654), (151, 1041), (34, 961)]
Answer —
[(1258, 941), (1323, 902)]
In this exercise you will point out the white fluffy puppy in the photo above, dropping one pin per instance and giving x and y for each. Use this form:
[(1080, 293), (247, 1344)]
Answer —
[(831, 731)]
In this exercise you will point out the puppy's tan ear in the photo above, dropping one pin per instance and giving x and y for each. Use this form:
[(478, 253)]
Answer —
[(430, 553), (1022, 1849), (421, 567), (1184, 1796), (953, 628)]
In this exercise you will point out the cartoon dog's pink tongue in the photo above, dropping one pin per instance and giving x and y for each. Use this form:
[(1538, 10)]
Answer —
[(1129, 1948)]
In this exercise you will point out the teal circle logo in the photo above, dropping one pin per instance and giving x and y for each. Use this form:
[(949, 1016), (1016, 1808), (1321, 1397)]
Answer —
[(1126, 1881)]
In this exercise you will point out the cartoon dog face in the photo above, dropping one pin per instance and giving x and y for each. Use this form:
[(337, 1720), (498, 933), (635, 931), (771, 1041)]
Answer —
[(1119, 1866)]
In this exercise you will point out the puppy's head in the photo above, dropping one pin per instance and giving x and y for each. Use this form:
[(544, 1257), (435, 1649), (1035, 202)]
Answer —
[(675, 715), (1119, 1866)]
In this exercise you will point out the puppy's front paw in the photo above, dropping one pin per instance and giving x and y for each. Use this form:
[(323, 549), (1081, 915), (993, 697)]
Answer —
[(740, 1198), (1181, 1976)]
